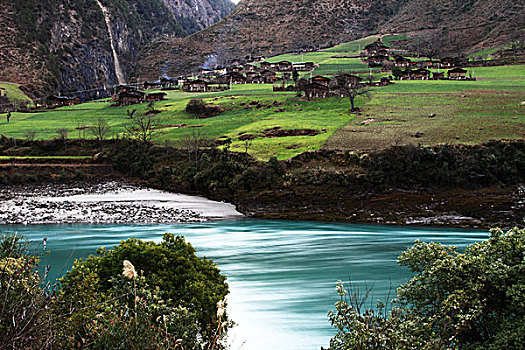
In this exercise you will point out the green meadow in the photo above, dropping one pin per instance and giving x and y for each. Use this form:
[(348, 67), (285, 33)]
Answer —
[(13, 93), (417, 112)]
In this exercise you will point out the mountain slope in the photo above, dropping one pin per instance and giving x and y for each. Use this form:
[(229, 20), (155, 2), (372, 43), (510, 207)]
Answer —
[(65, 45), (269, 27), (195, 15), (264, 27)]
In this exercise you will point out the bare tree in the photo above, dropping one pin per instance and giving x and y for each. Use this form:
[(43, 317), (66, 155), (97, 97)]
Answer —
[(62, 134), (100, 129), (194, 142), (430, 45), (30, 135), (143, 127), (349, 87)]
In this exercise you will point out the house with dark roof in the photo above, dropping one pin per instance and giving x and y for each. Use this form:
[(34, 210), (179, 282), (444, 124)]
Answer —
[(457, 74)]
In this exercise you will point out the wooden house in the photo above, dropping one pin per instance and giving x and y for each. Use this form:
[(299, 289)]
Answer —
[(457, 74), (59, 101), (254, 78), (448, 62), (127, 98), (438, 76), (155, 96), (123, 88), (267, 65), (316, 90), (236, 78), (198, 85), (351, 79), (420, 74), (375, 61), (249, 68), (321, 80), (152, 85), (285, 66), (375, 48), (269, 76), (303, 66), (401, 62)]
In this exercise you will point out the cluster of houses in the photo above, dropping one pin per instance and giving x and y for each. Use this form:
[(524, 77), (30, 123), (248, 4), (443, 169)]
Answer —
[(378, 55), (55, 101), (126, 95), (425, 74), (324, 87)]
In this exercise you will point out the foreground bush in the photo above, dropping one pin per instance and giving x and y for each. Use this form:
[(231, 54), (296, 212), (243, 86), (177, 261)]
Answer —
[(470, 300), (175, 294), (26, 319), (175, 300)]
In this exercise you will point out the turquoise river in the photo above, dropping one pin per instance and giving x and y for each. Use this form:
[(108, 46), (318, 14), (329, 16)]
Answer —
[(282, 275)]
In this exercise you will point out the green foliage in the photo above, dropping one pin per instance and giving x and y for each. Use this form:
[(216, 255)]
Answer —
[(469, 300), (189, 285), (26, 308)]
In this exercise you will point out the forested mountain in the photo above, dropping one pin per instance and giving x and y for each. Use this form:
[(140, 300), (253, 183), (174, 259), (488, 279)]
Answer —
[(195, 15)]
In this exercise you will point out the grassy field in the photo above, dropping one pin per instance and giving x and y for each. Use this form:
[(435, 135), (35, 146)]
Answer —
[(13, 93), (462, 112)]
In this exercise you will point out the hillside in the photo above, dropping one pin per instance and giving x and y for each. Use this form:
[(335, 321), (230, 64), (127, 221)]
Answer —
[(64, 45), (195, 15), (264, 27)]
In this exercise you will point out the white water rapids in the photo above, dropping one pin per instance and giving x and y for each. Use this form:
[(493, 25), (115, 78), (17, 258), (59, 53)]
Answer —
[(118, 71)]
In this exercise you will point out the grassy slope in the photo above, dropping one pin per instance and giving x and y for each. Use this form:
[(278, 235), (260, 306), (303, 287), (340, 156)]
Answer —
[(13, 92), (466, 112)]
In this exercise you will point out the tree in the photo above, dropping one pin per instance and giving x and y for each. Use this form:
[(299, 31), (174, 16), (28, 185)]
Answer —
[(349, 87), (100, 129), (470, 300), (143, 128), (430, 46)]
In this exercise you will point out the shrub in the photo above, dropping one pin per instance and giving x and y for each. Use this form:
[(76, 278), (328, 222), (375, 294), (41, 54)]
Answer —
[(189, 286), (470, 300), (201, 109)]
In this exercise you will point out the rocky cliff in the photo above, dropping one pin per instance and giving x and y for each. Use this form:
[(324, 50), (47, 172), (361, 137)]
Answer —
[(195, 15), (81, 46)]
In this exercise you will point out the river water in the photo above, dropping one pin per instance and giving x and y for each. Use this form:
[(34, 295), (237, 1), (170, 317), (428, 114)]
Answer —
[(281, 274)]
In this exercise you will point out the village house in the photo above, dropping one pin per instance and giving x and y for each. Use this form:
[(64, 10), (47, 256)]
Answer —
[(420, 74), (60, 101), (375, 48), (376, 61), (267, 65), (401, 62), (269, 76), (447, 62), (249, 68), (122, 88), (236, 78), (127, 98), (254, 78), (351, 79), (285, 66), (457, 74), (303, 66), (438, 75), (152, 84), (155, 96), (198, 85), (384, 81), (316, 90), (321, 80)]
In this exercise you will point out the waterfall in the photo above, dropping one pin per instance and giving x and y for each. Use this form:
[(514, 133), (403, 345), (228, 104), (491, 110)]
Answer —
[(118, 71)]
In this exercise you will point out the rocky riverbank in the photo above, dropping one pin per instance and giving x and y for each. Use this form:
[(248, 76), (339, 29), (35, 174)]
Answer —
[(105, 202)]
